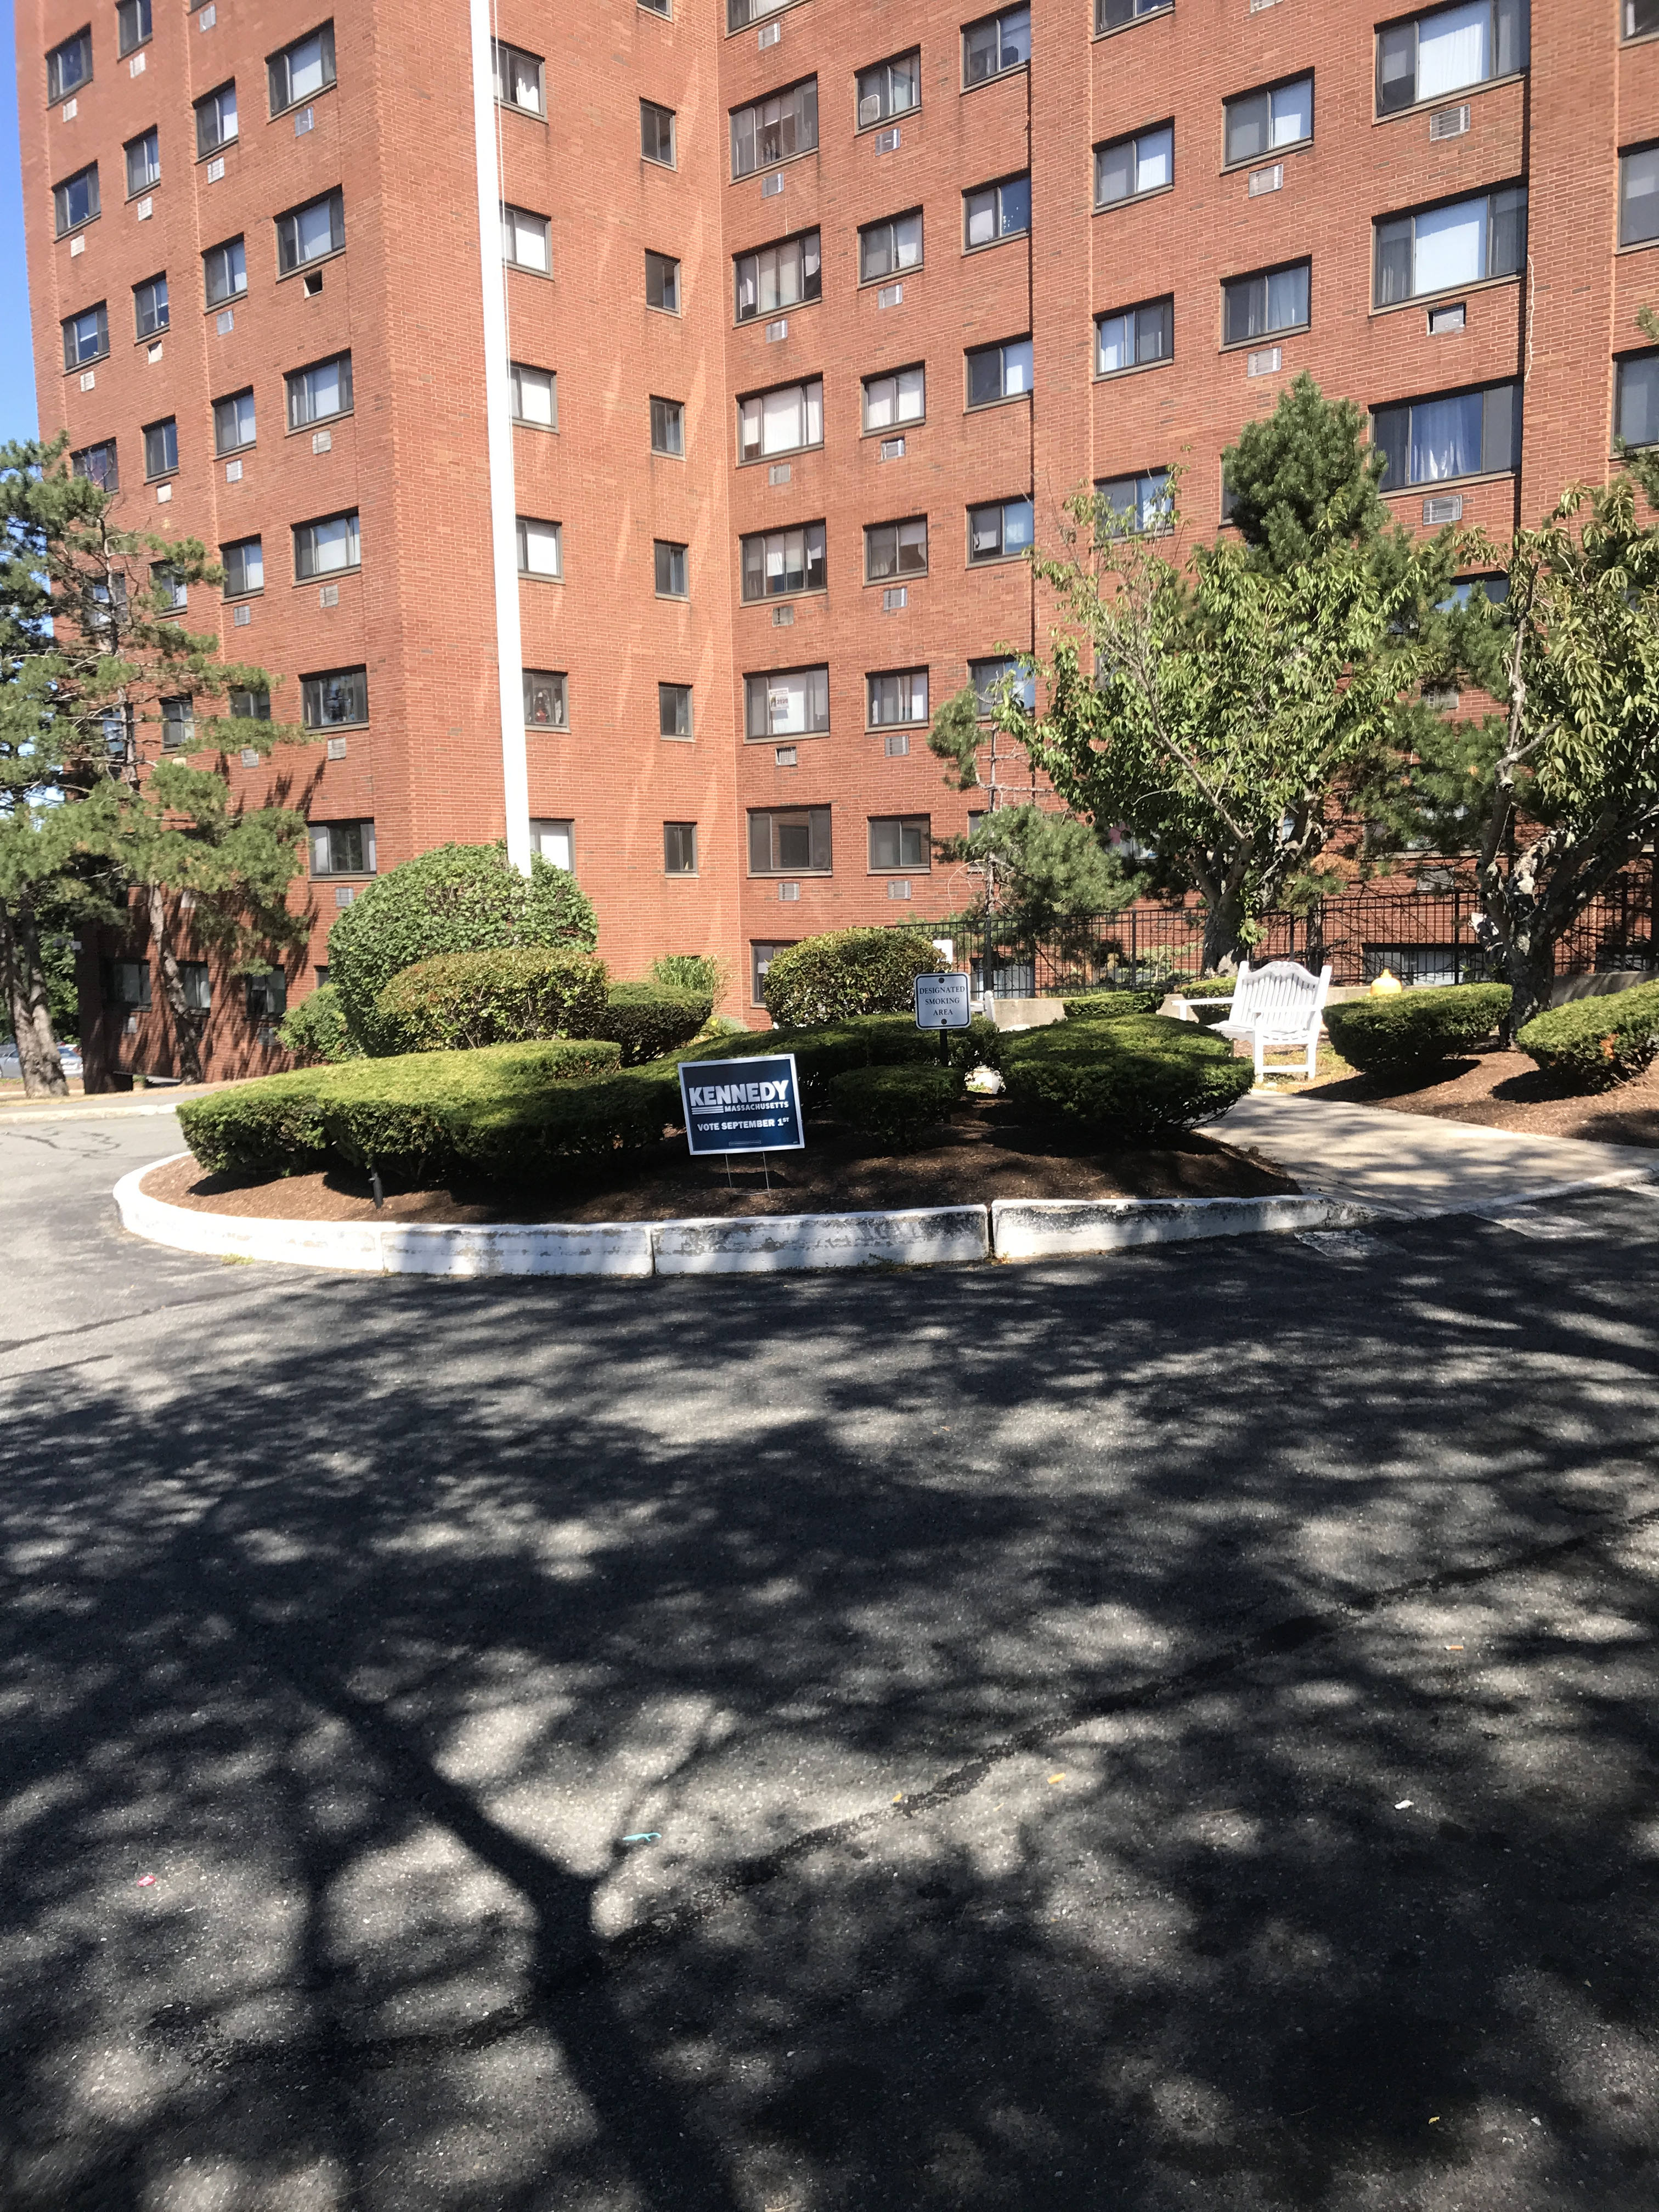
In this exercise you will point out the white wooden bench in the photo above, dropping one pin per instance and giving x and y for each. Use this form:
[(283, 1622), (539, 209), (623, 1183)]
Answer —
[(1277, 1008)]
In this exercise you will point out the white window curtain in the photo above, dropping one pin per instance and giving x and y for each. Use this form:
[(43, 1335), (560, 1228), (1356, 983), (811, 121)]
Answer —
[(1154, 160), (1293, 107), (1449, 246), (1445, 439), (1454, 48)]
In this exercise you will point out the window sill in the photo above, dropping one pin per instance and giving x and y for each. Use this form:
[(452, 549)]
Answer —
[(240, 599), (537, 577), (150, 338), (1134, 199), (167, 476), (327, 576), (300, 268), (363, 876), (650, 162), (76, 229), (217, 153), (674, 598), (1136, 368), (759, 23), (888, 122), (765, 460), (235, 452), (1116, 30), (771, 168), (143, 192), (74, 92), (511, 108), (1447, 292), (1266, 160), (679, 875), (886, 730), (1448, 484), (998, 76), (519, 423), (898, 429), (896, 583), (785, 738), (789, 875), (789, 599), (989, 406), (995, 560), (1008, 238), (1449, 99), (518, 268), (876, 874), (1639, 245), (311, 99), (1264, 338), (325, 422), (91, 361), (895, 277), (759, 320), (232, 300)]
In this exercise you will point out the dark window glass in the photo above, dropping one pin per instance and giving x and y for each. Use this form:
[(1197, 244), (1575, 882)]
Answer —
[(519, 78), (1136, 503), (97, 464), (68, 66), (233, 425), (86, 337), (1460, 242), (1256, 306), (310, 233), (1447, 50), (342, 849), (668, 427), (546, 699), (670, 560), (215, 119), (1129, 168), (999, 372), (888, 248), (993, 679), (1456, 433), (679, 848), (674, 710), (1000, 530), (334, 700), (786, 702), (75, 201), (323, 548), (225, 271), (149, 307), (178, 723), (996, 44), (143, 161), (302, 69), (251, 706), (900, 841), (317, 394), (161, 448), (662, 283), (889, 89), (1636, 401), (778, 277), (132, 24), (784, 841), (1639, 192), (777, 564), (1113, 15), (996, 211), (657, 133), (1259, 122), (244, 564), (1640, 18), (776, 128), (892, 550), (1134, 337)]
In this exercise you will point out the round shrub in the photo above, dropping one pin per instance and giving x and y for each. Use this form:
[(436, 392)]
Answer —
[(647, 1022), (1388, 1036), (1590, 1044), (847, 973), (1137, 1080), (271, 1127), (821, 1054), (456, 899), (898, 1106), (461, 1001), (1111, 1005), (315, 1030)]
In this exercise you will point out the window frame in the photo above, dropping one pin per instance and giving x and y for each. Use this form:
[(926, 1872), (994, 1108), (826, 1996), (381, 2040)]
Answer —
[(229, 591), (1133, 138), (1007, 664), (662, 261), (99, 310), (1137, 14), (58, 91), (334, 200), (753, 108), (673, 413), (1002, 236), (897, 271), (1268, 333), (1626, 11), (95, 200), (516, 372), (541, 824), (888, 114), (907, 674), (1004, 397), (322, 676), (178, 712), (208, 102), (672, 547), (364, 824), (500, 47), (1423, 486), (898, 573), (679, 849), (522, 525), (350, 516), (224, 299), (293, 378), (1623, 245), (143, 13), (1003, 68), (760, 314), (1162, 527), (558, 680), (815, 816), (159, 428), (901, 867), (671, 693), (749, 458), (999, 507), (762, 539), (1165, 301), (759, 968), (1491, 194), (141, 336), (230, 399), (1230, 162), (900, 424), (325, 33), (81, 454), (813, 689), (1417, 17), (655, 107), (142, 138), (511, 208), (1643, 356)]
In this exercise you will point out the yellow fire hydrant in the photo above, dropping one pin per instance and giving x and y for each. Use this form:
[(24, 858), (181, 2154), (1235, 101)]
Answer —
[(1385, 986)]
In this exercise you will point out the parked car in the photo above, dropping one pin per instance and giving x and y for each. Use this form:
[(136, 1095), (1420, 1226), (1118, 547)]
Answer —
[(11, 1066)]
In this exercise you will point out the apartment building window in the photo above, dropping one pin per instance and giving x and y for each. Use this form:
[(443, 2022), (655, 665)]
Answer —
[(1113, 15), (775, 130), (68, 66), (326, 548), (998, 680), (1636, 399), (786, 703), (224, 269), (1435, 249), (672, 569), (1256, 306), (519, 78), (267, 997), (251, 706), (897, 698), (994, 212), (889, 89), (778, 277), (1136, 503), (657, 134), (1134, 338), (302, 70), (999, 532), (311, 233), (761, 958), (526, 240), (1455, 434), (144, 156), (674, 710), (895, 549), (1640, 18), (541, 547), (999, 372), (161, 449), (679, 848), (896, 398), (86, 337), (335, 700), (668, 428), (321, 392), (1258, 124), (75, 202), (97, 465), (150, 306), (171, 593), (662, 283), (215, 120), (785, 420), (1447, 50), (342, 849), (555, 844), (1638, 193), (995, 45), (126, 982), (546, 699), (778, 563), (741, 12), (132, 25), (792, 841), (244, 564), (178, 723), (901, 840), (1131, 168), (535, 396), (658, 8), (233, 425), (885, 248)]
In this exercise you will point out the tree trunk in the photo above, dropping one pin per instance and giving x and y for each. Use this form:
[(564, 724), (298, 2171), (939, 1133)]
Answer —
[(1223, 918), (26, 997), (187, 1022)]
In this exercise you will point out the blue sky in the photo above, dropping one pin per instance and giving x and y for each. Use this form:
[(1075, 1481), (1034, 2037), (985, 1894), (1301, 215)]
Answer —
[(17, 416)]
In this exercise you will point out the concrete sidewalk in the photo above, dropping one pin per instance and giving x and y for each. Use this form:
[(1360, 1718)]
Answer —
[(1414, 1165)]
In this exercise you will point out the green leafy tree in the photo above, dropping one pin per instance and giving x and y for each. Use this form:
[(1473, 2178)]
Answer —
[(1042, 874), (1302, 477), (113, 771)]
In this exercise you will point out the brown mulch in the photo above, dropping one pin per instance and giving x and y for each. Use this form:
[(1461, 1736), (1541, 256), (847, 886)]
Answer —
[(979, 1157), (1507, 1090)]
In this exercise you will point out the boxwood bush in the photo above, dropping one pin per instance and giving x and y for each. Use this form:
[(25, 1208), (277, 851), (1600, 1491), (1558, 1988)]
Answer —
[(648, 1021), (509, 995), (821, 1054), (315, 1030), (1392, 1035), (1137, 1080), (289, 1124), (1590, 1044), (1111, 1005), (847, 973), (898, 1106)]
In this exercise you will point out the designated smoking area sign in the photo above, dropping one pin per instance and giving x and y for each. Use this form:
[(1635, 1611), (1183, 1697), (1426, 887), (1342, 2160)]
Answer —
[(742, 1105), (942, 1002)]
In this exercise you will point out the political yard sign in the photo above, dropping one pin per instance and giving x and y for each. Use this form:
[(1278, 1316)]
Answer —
[(742, 1105)]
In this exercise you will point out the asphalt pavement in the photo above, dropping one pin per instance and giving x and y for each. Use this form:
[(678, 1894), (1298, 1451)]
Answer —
[(1173, 1730)]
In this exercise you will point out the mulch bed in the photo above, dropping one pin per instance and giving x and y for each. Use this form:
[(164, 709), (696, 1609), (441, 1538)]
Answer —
[(983, 1154), (1507, 1090)]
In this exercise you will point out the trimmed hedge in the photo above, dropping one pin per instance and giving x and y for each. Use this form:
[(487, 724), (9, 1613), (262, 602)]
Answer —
[(1384, 1036), (413, 1111), (898, 1106), (1136, 1080), (1111, 1005), (1591, 1044), (508, 994), (847, 973), (315, 1030), (648, 1021), (821, 1054)]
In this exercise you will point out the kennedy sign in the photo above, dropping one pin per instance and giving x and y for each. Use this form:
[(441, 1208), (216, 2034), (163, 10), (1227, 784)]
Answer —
[(742, 1105)]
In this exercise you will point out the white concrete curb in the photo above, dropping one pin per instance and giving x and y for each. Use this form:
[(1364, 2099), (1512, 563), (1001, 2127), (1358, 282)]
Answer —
[(1049, 1228), (918, 1236)]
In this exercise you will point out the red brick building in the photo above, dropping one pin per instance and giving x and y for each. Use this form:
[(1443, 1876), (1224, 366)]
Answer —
[(624, 423)]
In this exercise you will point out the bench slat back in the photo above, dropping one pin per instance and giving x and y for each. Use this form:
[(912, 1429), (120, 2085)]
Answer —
[(1281, 995)]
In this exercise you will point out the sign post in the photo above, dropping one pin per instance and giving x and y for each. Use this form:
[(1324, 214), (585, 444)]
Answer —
[(750, 1105), (941, 1003)]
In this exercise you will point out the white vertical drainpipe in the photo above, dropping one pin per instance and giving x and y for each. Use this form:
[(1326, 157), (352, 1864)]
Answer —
[(498, 400)]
